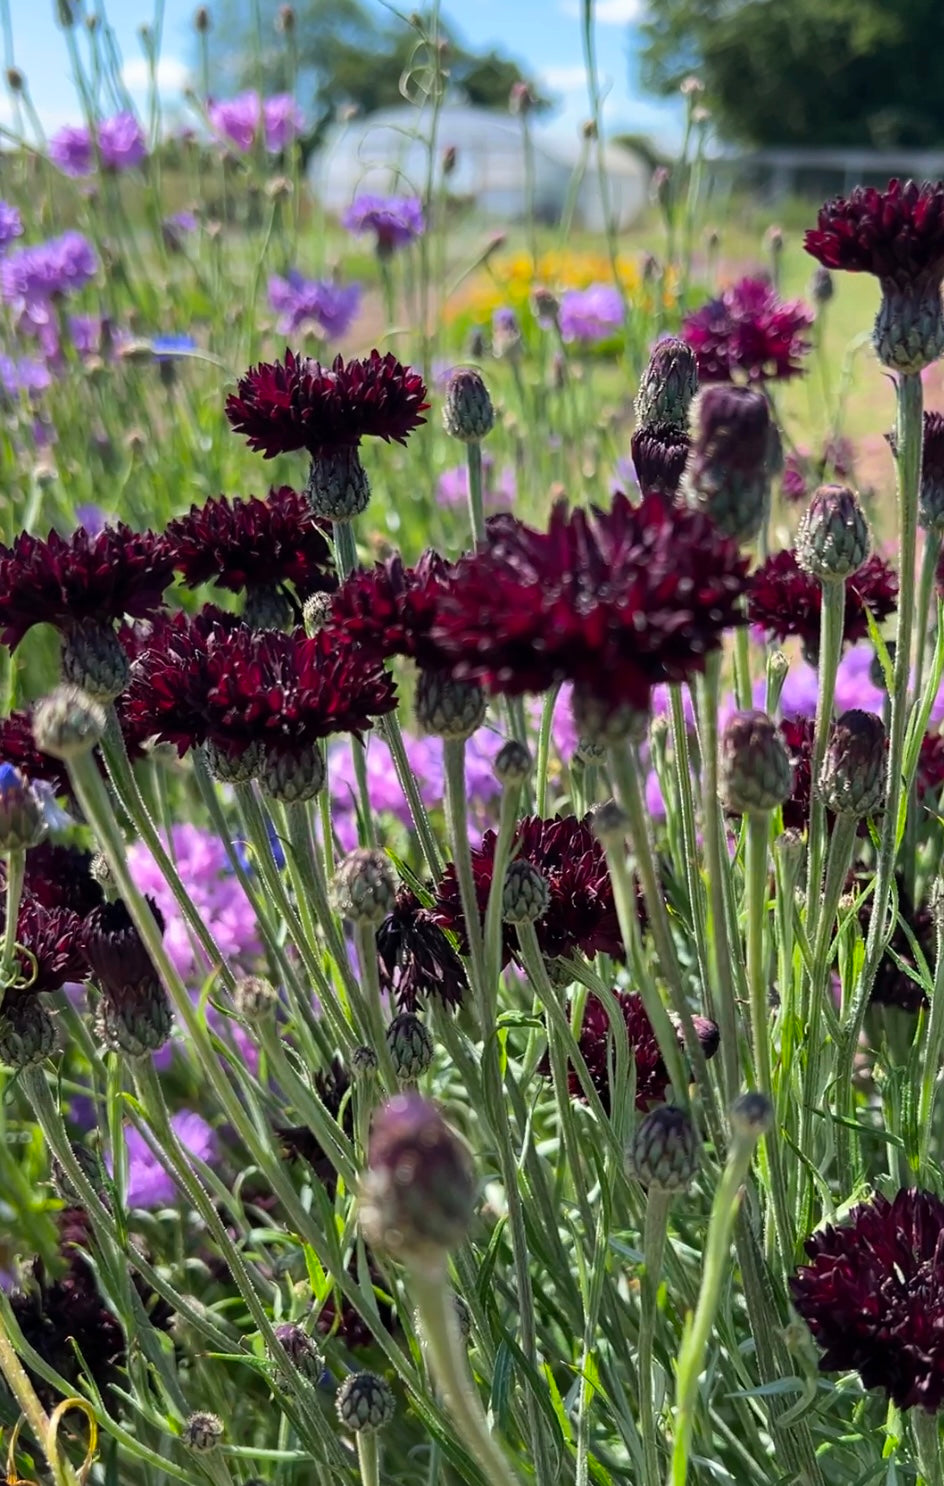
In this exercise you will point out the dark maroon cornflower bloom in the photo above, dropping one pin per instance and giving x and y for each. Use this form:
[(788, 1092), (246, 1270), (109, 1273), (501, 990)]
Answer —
[(896, 234), (389, 609), (244, 544), (51, 939), (749, 332), (785, 601), (18, 748), (581, 914), (60, 877), (873, 1296), (68, 581), (416, 959), (930, 776), (794, 482), (893, 985), (797, 734), (659, 458), (300, 404), (166, 697), (115, 950), (615, 601)]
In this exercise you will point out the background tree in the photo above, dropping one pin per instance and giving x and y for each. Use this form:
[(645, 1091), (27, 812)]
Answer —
[(807, 72), (346, 53)]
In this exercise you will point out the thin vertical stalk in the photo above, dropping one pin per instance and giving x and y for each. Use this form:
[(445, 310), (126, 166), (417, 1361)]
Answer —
[(655, 1227), (830, 649), (696, 891), (457, 816), (393, 736), (15, 876), (476, 499), (715, 866), (927, 1434)]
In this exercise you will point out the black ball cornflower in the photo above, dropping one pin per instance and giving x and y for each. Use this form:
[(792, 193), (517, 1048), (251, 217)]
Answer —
[(660, 454), (615, 601), (300, 404), (71, 582), (785, 601), (416, 958), (251, 545), (389, 609), (873, 1296), (134, 1013), (50, 946), (581, 911)]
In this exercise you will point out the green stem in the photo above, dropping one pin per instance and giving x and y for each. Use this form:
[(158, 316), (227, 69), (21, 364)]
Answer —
[(715, 866), (743, 691), (931, 1055), (365, 939), (544, 748), (368, 1457), (393, 736), (437, 1315), (696, 888), (16, 874), (927, 1434), (910, 433), (655, 1227), (830, 649), (929, 561), (476, 502), (457, 816)]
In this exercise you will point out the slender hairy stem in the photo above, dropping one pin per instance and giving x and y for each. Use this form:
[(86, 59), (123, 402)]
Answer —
[(931, 1053), (476, 499), (366, 942), (458, 820), (696, 889), (830, 649), (715, 865), (24, 1393), (16, 872), (393, 736), (927, 1433), (658, 1203), (368, 1457)]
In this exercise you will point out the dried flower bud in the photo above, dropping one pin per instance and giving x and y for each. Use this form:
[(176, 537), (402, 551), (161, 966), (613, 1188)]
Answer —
[(419, 1191), (203, 1432), (668, 386), (68, 723), (316, 612), (448, 708), (755, 774), (201, 20), (21, 815), (513, 763), (727, 475), (752, 1115), (301, 1349), (292, 777), (411, 1047), (468, 413), (832, 540), (27, 1032), (852, 779), (526, 895), (255, 998), (364, 888), (338, 488), (664, 1150), (365, 1403)]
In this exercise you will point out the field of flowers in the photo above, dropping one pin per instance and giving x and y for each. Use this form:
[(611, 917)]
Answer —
[(472, 961)]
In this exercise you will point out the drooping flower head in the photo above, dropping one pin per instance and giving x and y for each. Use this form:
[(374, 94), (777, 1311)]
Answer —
[(416, 958), (872, 1294), (395, 221), (615, 601), (749, 333), (389, 609), (785, 601), (898, 236), (581, 912), (320, 304), (588, 316), (652, 1079)]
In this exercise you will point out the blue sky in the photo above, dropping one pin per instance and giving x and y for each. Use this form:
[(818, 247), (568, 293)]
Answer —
[(543, 34)]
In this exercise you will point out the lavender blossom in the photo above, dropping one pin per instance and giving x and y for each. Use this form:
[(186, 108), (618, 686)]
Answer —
[(31, 277), (300, 301), (282, 121), (27, 376), (395, 221), (591, 315)]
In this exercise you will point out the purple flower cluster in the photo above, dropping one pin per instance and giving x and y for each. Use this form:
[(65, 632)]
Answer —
[(395, 221), (149, 1183), (240, 120), (32, 277), (120, 140), (749, 332), (301, 303), (592, 315)]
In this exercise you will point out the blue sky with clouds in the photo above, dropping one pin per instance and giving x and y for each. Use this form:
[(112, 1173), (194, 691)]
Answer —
[(543, 34)]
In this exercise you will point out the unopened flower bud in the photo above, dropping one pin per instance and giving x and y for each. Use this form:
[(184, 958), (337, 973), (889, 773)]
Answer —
[(468, 413), (201, 20), (316, 612), (603, 723), (610, 823), (521, 98), (790, 847), (285, 20), (255, 998), (135, 1020), (546, 305), (364, 888), (411, 1047), (338, 488), (301, 1349), (752, 1115), (365, 1403), (513, 763), (727, 475), (68, 723), (909, 327), (292, 777), (822, 287), (778, 668), (852, 779), (448, 708), (664, 1150), (21, 815), (659, 459), (449, 158), (27, 1031), (832, 540), (364, 1062), (668, 386), (755, 774), (15, 80), (203, 1432), (526, 895), (418, 1194)]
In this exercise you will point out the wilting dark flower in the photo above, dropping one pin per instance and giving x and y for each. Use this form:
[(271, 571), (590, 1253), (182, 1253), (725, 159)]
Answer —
[(785, 601), (581, 914), (616, 601), (244, 544), (60, 877), (873, 1296), (749, 332), (18, 747), (300, 404), (113, 947), (69, 581), (660, 454), (389, 609), (50, 951), (416, 958)]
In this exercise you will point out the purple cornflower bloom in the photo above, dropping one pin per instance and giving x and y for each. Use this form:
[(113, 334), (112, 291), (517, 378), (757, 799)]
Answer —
[(395, 221), (11, 225), (26, 375), (299, 301), (121, 142), (282, 120), (499, 487), (150, 1184), (239, 120), (71, 150), (31, 277), (591, 315)]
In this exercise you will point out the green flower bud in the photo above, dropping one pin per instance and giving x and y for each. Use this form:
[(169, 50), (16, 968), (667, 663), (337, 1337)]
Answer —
[(364, 888), (411, 1047), (93, 659), (135, 1020), (316, 612), (513, 763), (909, 327), (27, 1031), (447, 708), (467, 411), (598, 722), (852, 779), (668, 386), (364, 1062), (203, 1432), (21, 815), (338, 488), (752, 1115), (302, 1350), (292, 777), (832, 540), (68, 723), (365, 1403), (525, 896), (728, 473), (255, 998), (664, 1150), (755, 774), (232, 768)]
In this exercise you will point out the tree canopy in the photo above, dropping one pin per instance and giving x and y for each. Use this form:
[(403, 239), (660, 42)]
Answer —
[(348, 54), (866, 73)]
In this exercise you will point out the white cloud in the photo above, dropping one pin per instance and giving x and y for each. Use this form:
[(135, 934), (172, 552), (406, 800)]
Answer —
[(568, 78), (172, 75), (607, 12)]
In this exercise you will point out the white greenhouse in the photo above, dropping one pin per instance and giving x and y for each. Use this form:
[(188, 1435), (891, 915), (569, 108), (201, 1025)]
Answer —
[(386, 152)]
